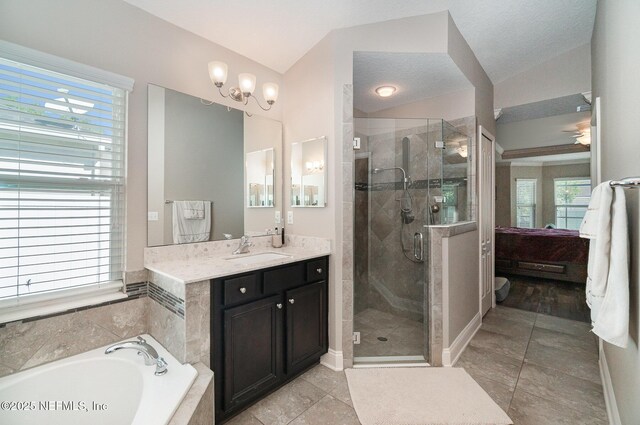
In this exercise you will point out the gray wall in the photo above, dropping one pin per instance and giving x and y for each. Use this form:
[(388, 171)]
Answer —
[(616, 67), (117, 37), (568, 73), (460, 255), (503, 195), (204, 161), (506, 176)]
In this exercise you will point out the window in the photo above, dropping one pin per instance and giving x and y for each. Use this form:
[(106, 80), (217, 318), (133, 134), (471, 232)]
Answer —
[(449, 203), (62, 158), (526, 202), (571, 200)]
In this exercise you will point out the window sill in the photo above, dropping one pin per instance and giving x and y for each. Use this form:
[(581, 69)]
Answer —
[(17, 311)]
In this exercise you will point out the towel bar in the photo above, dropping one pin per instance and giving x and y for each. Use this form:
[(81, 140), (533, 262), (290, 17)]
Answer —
[(168, 201), (628, 182)]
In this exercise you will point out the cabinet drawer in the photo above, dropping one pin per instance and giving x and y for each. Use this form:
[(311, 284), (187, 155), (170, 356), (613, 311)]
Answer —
[(317, 270), (283, 278), (240, 289), (553, 268)]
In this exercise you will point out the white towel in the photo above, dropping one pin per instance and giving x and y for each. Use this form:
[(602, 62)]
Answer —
[(605, 224), (191, 221)]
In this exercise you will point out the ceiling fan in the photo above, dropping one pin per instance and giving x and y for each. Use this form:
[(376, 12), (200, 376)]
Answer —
[(582, 134)]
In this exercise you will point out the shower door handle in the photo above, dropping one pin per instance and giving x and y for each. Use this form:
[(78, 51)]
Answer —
[(418, 246)]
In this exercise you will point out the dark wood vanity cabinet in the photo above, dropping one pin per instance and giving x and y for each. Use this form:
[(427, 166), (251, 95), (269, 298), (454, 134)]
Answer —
[(267, 327)]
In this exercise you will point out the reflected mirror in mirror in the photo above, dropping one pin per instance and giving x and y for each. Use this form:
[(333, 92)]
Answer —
[(259, 171), (308, 173), (197, 183)]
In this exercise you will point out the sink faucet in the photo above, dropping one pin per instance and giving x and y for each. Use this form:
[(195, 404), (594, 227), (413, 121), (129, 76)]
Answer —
[(244, 245), (149, 353)]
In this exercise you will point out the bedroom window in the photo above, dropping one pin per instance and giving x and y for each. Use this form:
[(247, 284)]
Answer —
[(571, 201), (62, 158), (526, 203), (450, 204)]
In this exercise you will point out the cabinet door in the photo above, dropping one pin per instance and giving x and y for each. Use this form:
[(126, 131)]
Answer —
[(252, 349), (306, 325)]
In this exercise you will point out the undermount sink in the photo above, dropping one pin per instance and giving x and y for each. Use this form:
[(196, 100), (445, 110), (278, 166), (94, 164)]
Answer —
[(257, 258)]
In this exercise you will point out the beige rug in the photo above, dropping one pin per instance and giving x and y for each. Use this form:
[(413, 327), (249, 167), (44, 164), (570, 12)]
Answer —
[(421, 396)]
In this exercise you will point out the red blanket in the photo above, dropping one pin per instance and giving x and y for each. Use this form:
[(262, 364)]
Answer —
[(554, 245)]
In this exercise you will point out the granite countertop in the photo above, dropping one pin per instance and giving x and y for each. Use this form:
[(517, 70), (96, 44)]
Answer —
[(215, 264)]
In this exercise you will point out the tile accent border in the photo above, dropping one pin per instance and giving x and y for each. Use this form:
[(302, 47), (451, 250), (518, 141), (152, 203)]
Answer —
[(166, 299)]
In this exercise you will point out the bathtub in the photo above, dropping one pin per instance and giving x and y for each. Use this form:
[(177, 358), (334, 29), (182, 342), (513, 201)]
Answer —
[(95, 388)]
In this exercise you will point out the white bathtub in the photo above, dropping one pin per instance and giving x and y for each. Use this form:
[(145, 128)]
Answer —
[(95, 388)]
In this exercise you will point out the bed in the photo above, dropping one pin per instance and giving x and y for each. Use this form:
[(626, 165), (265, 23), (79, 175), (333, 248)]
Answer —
[(557, 254)]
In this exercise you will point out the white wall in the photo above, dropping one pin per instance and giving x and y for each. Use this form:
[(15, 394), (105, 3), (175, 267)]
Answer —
[(117, 37), (566, 74), (616, 71)]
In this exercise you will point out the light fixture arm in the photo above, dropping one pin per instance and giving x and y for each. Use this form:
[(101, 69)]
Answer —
[(269, 102)]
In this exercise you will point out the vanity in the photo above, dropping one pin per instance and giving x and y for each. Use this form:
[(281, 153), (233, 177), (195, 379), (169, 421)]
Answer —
[(267, 326), (259, 318)]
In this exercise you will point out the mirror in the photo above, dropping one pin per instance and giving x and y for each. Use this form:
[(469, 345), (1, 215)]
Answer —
[(308, 173), (198, 186), (259, 173)]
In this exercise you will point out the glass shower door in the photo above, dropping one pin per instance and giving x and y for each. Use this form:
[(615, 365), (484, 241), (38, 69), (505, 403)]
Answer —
[(394, 169)]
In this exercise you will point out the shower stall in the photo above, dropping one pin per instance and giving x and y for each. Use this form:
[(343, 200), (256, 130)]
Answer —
[(410, 174)]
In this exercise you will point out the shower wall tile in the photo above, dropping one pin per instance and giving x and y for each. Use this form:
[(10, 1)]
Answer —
[(347, 342), (347, 220)]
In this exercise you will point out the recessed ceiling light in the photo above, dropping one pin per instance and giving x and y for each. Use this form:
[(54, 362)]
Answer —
[(385, 91)]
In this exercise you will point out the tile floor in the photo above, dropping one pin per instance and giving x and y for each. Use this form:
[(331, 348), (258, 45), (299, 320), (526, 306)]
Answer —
[(385, 334), (553, 297), (542, 370)]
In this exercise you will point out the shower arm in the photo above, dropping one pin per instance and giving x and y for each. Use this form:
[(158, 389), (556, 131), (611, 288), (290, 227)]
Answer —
[(405, 180)]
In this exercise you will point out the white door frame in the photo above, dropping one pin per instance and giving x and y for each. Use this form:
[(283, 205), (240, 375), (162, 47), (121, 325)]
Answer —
[(482, 135)]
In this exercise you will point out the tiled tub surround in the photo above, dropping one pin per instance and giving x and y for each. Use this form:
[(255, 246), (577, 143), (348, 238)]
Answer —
[(35, 341), (179, 282)]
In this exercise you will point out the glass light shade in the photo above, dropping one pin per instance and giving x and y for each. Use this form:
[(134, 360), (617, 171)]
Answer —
[(385, 91), (270, 92), (218, 72), (247, 82)]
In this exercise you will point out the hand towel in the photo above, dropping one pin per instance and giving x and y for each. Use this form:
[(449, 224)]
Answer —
[(191, 221), (605, 223)]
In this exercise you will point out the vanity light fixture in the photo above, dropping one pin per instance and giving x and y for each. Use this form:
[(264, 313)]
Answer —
[(314, 166), (246, 85), (463, 152), (385, 91)]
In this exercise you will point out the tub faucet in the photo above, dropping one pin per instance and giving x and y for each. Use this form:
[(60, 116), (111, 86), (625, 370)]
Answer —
[(149, 353), (243, 248)]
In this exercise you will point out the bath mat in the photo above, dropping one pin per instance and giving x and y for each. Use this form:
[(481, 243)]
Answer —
[(421, 396)]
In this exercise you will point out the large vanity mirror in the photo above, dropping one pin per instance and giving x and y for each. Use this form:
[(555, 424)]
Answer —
[(212, 170), (308, 173)]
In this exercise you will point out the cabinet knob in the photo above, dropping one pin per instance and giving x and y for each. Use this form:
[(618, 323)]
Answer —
[(291, 300), (279, 305), (243, 290), (319, 270)]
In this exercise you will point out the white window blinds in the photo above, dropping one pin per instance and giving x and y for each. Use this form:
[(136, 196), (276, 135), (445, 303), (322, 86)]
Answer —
[(526, 203), (62, 156)]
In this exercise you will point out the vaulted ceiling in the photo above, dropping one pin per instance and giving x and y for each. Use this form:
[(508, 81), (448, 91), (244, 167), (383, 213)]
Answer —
[(507, 36)]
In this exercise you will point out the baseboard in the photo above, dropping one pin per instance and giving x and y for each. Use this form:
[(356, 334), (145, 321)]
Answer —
[(450, 355), (333, 360), (607, 388)]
